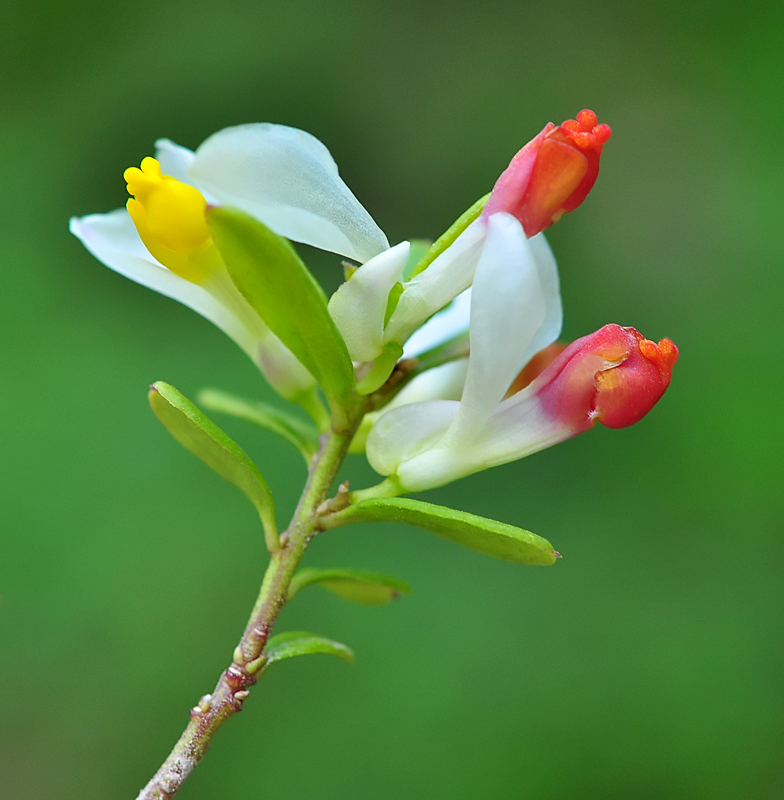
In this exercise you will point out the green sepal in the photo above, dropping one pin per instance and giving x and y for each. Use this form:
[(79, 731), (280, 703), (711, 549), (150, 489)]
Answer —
[(273, 279), (382, 368), (302, 434), (449, 235), (487, 536), (194, 431), (298, 643), (368, 588)]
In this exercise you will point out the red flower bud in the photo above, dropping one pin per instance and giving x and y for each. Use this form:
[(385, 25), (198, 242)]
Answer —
[(552, 174), (614, 376)]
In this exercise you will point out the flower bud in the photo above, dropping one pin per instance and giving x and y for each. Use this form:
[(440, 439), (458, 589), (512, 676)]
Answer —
[(614, 376), (552, 174)]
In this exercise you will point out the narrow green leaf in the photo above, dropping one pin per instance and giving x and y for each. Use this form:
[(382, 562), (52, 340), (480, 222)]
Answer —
[(194, 431), (369, 588), (274, 280), (298, 643), (303, 435), (479, 533)]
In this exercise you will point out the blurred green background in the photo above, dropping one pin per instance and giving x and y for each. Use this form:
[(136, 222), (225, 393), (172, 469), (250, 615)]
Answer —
[(648, 662)]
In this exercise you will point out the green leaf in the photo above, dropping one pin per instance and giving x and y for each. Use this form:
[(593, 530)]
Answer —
[(271, 276), (194, 431), (369, 588), (299, 432), (479, 533), (298, 643)]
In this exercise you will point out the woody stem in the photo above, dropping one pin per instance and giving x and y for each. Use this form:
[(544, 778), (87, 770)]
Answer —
[(234, 684)]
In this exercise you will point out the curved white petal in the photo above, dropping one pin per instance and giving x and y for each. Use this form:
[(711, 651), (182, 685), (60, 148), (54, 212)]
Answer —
[(435, 468), (113, 240), (547, 270), (287, 179), (445, 325), (174, 159), (507, 310), (282, 369), (440, 383), (358, 307), (449, 275), (518, 427), (406, 431), (444, 382)]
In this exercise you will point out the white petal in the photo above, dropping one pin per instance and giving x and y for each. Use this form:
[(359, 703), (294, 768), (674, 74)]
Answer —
[(113, 240), (507, 310), (360, 304), (441, 383), (287, 179), (445, 325), (449, 275), (282, 369), (174, 159), (517, 428), (407, 431), (547, 270), (434, 468)]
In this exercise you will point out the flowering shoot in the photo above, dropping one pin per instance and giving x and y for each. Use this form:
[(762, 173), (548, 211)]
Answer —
[(437, 361)]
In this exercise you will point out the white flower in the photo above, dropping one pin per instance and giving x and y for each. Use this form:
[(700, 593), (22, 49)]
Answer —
[(515, 312), (284, 177)]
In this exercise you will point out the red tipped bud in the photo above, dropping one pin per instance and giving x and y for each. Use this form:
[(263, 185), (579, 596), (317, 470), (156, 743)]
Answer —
[(614, 376), (552, 174)]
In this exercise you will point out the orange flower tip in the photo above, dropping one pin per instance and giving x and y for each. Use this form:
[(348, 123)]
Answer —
[(628, 391), (586, 132), (664, 355)]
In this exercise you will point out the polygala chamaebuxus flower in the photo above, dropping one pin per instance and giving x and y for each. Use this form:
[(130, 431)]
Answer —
[(283, 176), (613, 376)]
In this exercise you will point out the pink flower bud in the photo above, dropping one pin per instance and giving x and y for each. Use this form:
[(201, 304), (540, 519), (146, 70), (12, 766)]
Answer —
[(552, 174), (614, 376)]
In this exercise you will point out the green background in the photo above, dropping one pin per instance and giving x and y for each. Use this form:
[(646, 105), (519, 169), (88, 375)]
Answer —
[(648, 662)]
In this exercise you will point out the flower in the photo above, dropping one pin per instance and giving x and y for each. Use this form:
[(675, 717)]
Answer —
[(551, 175), (613, 376), (283, 176)]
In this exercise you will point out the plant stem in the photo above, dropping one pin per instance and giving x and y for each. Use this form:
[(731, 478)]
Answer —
[(234, 684)]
